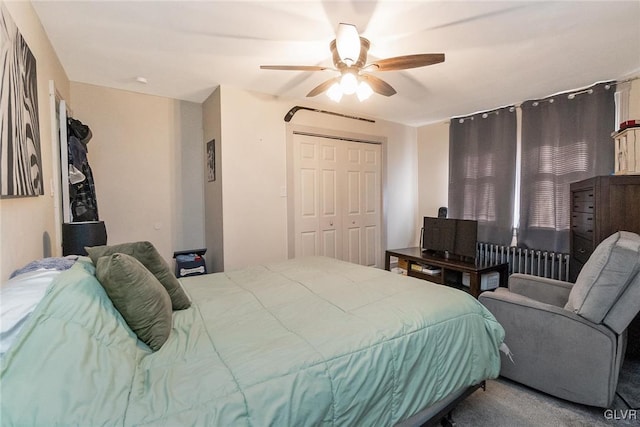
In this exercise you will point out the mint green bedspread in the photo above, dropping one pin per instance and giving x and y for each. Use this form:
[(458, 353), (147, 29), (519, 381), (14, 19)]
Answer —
[(312, 341)]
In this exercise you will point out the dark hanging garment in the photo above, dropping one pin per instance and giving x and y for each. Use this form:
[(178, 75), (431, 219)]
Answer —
[(82, 193)]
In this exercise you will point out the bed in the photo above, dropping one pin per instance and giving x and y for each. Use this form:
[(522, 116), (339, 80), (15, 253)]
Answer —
[(310, 341)]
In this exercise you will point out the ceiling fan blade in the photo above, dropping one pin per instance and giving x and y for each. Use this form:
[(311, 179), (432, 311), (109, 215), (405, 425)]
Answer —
[(294, 67), (379, 85), (323, 87), (407, 61)]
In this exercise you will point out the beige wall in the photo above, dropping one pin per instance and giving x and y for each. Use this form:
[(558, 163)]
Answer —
[(433, 173), (214, 241), (400, 186), (27, 226), (253, 157), (634, 99), (253, 161), (146, 158)]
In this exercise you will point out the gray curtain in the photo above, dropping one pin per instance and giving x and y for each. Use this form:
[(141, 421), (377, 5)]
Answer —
[(482, 163), (565, 138)]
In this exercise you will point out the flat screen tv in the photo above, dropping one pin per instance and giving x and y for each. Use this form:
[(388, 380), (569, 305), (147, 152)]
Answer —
[(450, 237), (438, 234), (466, 238)]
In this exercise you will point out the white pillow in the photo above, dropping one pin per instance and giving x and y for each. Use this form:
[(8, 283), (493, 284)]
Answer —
[(18, 298)]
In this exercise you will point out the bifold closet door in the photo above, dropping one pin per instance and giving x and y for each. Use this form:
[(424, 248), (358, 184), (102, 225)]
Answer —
[(337, 199), (362, 197), (317, 218)]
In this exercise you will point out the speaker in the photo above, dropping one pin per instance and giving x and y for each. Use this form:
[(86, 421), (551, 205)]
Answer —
[(77, 235), (442, 212)]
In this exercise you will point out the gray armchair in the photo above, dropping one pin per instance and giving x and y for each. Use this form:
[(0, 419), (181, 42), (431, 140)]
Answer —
[(569, 340)]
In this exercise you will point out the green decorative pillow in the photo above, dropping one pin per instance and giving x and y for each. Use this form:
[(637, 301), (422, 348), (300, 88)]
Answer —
[(138, 296), (147, 254)]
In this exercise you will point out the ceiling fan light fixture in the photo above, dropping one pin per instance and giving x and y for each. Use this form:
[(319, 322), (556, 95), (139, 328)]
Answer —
[(348, 43), (349, 54), (335, 92), (364, 91), (348, 83)]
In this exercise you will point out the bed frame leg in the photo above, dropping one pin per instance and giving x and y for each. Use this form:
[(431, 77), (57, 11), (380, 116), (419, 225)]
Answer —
[(444, 416), (447, 420)]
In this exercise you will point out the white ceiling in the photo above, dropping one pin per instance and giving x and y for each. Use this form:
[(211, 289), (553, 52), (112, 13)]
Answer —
[(497, 53)]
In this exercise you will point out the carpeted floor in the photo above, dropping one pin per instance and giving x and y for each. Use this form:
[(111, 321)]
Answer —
[(508, 404)]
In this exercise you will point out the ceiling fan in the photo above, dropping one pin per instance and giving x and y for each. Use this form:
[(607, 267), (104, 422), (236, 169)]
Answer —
[(349, 52)]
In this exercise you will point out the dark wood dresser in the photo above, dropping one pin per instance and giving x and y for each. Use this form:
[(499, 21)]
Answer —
[(600, 206)]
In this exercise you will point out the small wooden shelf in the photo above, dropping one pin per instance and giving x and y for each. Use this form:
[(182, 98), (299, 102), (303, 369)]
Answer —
[(447, 266), (436, 278), (627, 151)]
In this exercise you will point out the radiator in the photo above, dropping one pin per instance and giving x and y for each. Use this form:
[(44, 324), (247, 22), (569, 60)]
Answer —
[(536, 262)]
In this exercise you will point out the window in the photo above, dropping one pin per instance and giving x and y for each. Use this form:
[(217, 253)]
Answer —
[(565, 138), (482, 161)]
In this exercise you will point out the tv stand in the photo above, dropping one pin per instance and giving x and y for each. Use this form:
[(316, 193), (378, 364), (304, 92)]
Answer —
[(446, 255), (475, 269)]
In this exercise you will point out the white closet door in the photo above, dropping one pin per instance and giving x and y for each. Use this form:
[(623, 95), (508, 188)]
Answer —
[(60, 168), (317, 221), (337, 199), (64, 164), (362, 203)]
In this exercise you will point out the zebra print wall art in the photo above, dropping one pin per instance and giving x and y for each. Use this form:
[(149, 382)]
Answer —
[(20, 157)]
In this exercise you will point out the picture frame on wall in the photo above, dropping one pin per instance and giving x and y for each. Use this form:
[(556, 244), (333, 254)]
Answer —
[(20, 152), (211, 160)]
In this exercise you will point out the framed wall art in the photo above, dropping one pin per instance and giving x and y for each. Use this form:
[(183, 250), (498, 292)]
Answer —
[(20, 156), (211, 160)]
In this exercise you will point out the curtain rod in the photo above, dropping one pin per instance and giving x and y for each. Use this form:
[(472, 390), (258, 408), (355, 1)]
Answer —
[(571, 94), (485, 114), (576, 91), (630, 79)]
